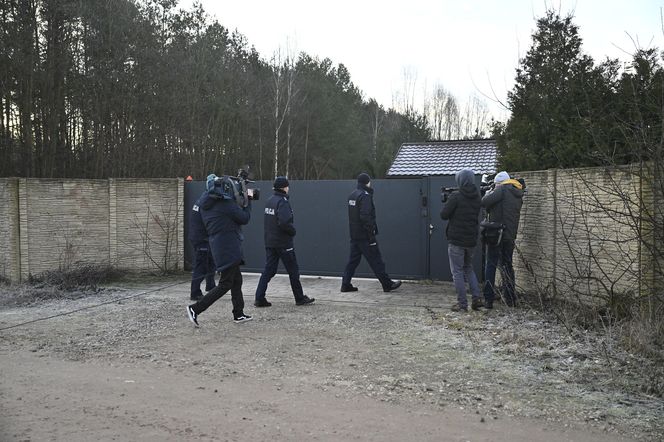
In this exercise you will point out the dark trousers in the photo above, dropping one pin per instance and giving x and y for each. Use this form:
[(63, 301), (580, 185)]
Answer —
[(500, 256), (371, 253), (230, 279), (287, 256), (203, 269)]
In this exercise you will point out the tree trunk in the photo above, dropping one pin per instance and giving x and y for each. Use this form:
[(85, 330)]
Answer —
[(288, 141)]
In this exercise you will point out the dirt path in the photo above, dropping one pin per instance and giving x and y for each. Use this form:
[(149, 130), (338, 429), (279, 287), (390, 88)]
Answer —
[(45, 398), (365, 368)]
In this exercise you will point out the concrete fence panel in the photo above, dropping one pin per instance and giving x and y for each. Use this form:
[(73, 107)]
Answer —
[(51, 224), (62, 222), (583, 231), (146, 223)]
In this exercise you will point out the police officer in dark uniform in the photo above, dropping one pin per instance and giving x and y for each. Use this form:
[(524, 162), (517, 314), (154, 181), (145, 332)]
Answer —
[(363, 231), (203, 267), (279, 233)]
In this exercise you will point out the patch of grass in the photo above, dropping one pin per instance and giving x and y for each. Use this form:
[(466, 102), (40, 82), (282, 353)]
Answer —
[(87, 276), (76, 282), (620, 322)]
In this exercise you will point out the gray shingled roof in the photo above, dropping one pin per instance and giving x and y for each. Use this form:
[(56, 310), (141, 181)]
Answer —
[(444, 158)]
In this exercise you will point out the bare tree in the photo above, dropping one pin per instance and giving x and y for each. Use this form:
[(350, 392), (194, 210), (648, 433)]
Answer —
[(404, 100), (475, 118), (435, 109), (284, 75), (377, 117)]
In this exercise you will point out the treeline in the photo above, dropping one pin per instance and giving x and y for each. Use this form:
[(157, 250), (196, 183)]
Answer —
[(568, 111), (124, 88)]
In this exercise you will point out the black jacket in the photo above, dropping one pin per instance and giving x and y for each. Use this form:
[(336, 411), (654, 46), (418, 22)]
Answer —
[(197, 234), (503, 205), (278, 222), (362, 214), (462, 209), (223, 220)]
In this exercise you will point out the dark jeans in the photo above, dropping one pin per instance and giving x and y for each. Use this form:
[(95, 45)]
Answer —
[(500, 256), (461, 266), (203, 270), (230, 279), (287, 256), (371, 253)]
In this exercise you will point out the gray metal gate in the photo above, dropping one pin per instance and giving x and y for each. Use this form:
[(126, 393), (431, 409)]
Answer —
[(321, 220), (412, 235)]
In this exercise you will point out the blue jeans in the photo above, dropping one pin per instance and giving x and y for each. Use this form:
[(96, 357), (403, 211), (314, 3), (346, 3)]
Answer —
[(500, 256), (203, 269), (461, 266), (287, 256), (361, 248)]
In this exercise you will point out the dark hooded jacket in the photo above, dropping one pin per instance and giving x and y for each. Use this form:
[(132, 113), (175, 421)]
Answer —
[(462, 209), (362, 214), (279, 229), (503, 205), (197, 234), (223, 220)]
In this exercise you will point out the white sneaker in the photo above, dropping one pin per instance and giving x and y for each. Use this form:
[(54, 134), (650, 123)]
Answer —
[(242, 318), (193, 317)]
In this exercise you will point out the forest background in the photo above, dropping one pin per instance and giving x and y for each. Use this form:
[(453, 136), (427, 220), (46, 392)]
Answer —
[(143, 88)]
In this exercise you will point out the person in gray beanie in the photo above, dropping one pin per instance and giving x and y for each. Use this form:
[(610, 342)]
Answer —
[(363, 231), (503, 206)]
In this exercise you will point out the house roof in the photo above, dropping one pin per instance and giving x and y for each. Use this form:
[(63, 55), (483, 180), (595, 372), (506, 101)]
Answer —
[(444, 158)]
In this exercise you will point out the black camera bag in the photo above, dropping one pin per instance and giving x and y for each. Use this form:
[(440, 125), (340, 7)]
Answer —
[(491, 232)]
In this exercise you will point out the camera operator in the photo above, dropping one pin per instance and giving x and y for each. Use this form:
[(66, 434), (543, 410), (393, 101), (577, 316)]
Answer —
[(203, 266), (503, 205), (223, 218), (279, 233), (363, 231), (462, 209)]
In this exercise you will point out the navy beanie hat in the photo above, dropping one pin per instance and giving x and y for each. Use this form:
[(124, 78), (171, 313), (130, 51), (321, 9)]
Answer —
[(363, 178), (280, 182)]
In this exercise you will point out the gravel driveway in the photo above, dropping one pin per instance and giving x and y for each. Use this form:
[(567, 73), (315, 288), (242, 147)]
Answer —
[(364, 365)]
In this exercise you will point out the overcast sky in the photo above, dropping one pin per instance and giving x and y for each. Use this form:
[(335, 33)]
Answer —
[(468, 46)]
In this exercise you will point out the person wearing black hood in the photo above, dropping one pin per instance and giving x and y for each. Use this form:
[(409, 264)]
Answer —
[(503, 206), (279, 233), (462, 209), (363, 231)]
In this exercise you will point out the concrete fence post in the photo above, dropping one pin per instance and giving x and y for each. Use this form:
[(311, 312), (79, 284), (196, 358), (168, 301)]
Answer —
[(23, 228), (180, 220), (112, 222), (10, 262)]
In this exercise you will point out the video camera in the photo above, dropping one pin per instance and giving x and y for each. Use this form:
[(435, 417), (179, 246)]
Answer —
[(446, 191), (233, 188), (485, 187), (487, 183)]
